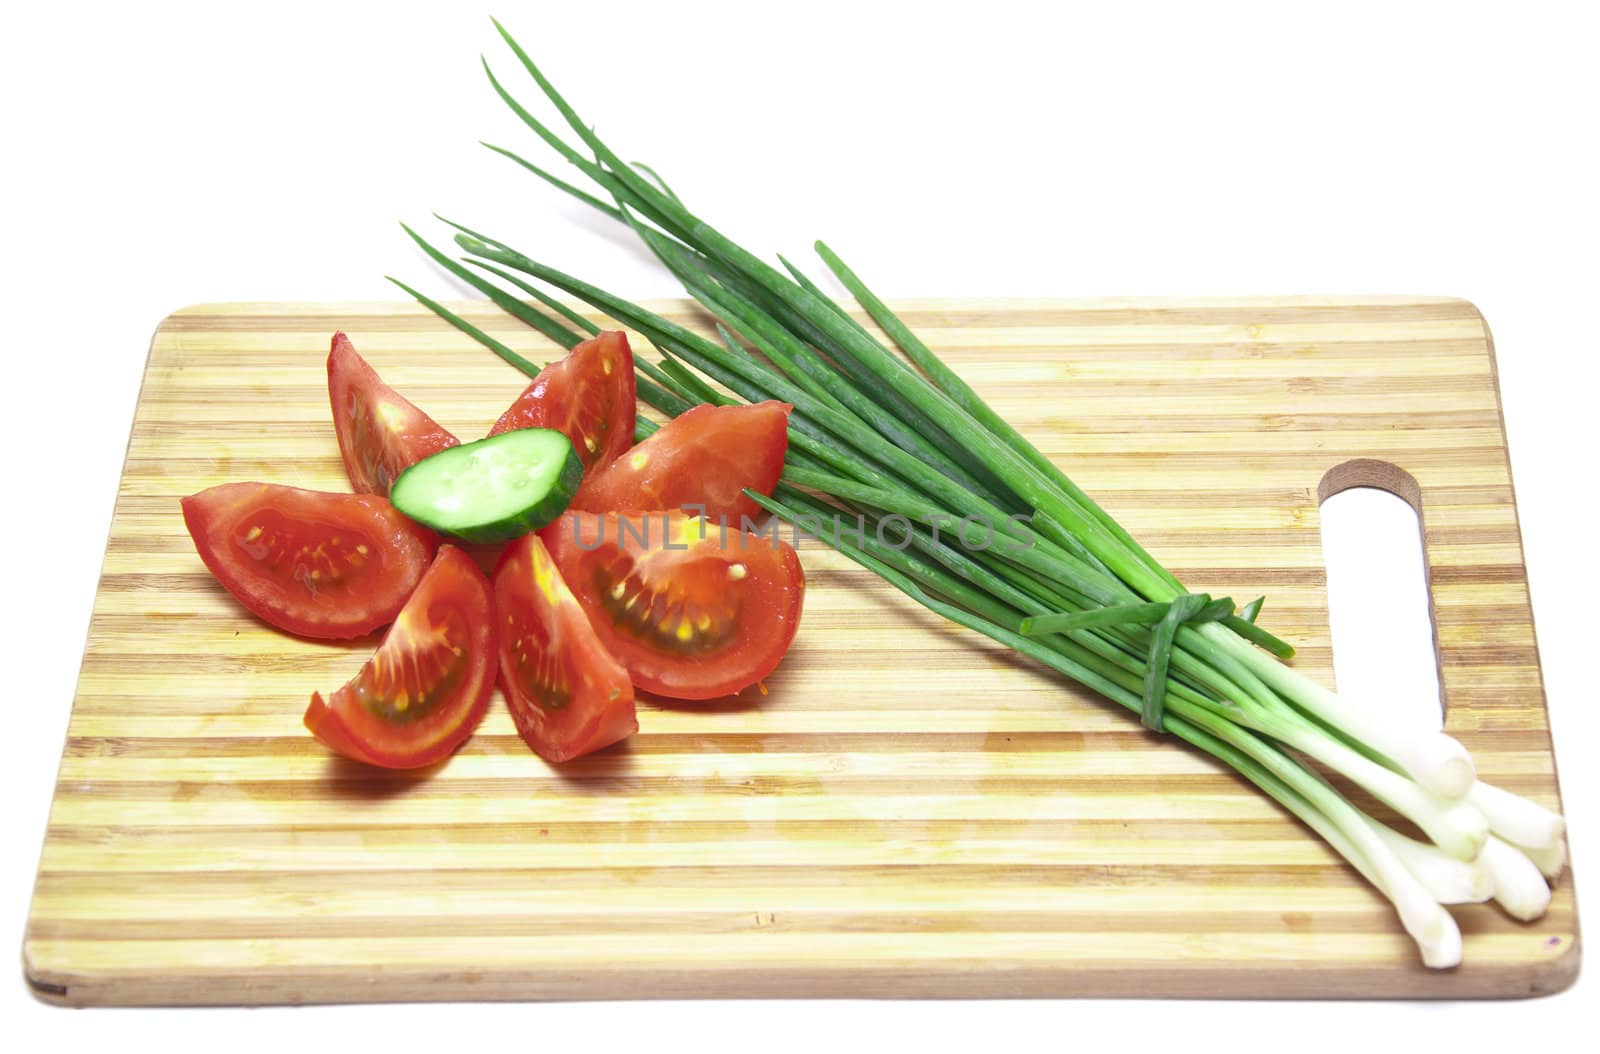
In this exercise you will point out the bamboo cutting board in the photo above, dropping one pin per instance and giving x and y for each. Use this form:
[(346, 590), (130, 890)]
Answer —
[(910, 811)]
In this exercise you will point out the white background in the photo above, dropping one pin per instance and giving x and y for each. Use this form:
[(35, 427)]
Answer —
[(161, 155)]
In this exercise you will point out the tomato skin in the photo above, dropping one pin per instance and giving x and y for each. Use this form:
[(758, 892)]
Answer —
[(704, 457), (568, 696), (321, 722), (690, 611), (588, 396), (381, 433), (425, 690), (311, 563)]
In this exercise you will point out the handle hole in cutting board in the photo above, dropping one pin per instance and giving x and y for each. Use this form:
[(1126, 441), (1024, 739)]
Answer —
[(1380, 614)]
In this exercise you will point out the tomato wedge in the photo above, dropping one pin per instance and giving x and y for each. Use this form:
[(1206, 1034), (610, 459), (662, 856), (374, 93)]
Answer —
[(428, 686), (380, 432), (312, 563), (567, 695), (588, 396), (704, 457), (690, 610)]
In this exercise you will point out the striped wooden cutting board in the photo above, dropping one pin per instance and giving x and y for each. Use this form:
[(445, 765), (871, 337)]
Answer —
[(910, 811)]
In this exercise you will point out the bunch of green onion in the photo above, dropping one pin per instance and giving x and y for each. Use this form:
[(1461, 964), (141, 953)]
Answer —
[(905, 444)]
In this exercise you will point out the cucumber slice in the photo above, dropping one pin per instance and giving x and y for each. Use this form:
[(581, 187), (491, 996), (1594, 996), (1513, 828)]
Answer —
[(494, 489)]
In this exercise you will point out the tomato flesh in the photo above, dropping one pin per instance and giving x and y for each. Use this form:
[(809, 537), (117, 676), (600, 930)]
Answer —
[(690, 610), (588, 396), (427, 687), (704, 457), (381, 433), (315, 564), (567, 695)]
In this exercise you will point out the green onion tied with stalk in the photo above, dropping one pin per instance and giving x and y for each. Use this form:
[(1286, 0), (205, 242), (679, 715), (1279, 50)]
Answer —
[(894, 436)]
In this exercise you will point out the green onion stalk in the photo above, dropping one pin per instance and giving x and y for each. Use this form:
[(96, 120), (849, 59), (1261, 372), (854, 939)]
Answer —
[(889, 436)]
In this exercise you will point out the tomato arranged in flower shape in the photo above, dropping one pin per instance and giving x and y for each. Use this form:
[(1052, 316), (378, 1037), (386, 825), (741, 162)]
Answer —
[(566, 693), (679, 606), (588, 396), (427, 687), (312, 563), (704, 459), (691, 610), (380, 432)]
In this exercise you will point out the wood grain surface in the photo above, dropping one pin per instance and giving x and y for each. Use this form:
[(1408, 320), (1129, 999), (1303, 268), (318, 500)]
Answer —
[(910, 811)]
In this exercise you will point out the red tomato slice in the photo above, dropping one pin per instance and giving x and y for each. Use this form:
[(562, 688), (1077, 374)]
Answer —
[(312, 563), (705, 456), (587, 396), (380, 432), (691, 611), (566, 693), (428, 686)]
